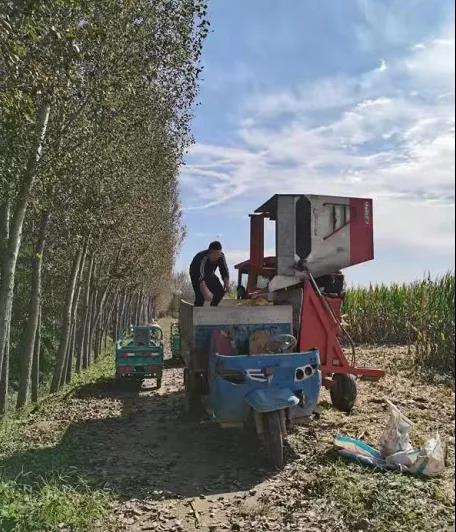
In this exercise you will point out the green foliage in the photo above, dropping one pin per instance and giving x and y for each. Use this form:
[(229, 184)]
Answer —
[(120, 81), (51, 506), (419, 314), (41, 489)]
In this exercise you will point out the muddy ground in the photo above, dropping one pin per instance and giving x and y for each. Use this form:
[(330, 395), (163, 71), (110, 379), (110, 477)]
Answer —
[(167, 472)]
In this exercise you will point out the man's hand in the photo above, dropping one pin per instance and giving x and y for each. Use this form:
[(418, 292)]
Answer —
[(208, 297), (207, 294)]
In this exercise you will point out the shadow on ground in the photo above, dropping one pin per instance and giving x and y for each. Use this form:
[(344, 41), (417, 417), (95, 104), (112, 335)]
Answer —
[(150, 450)]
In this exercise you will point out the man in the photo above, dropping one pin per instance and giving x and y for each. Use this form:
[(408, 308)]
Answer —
[(206, 284)]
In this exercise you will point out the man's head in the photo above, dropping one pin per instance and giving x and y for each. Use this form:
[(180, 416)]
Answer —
[(215, 251)]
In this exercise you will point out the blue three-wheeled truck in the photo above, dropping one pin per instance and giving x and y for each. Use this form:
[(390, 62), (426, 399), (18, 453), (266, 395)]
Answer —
[(240, 364)]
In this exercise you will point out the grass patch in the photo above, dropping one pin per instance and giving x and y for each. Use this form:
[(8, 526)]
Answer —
[(51, 505), (381, 502), (14, 426), (41, 488)]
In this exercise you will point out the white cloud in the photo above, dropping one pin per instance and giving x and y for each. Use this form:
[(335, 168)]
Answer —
[(414, 224), (324, 94), (383, 66), (388, 134), (433, 63)]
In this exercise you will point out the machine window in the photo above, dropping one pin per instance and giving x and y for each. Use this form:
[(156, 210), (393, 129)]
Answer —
[(262, 282)]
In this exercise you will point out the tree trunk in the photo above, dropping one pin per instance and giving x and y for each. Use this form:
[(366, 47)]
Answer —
[(15, 236), (32, 322), (107, 319), (68, 369), (139, 309), (4, 236), (135, 310), (4, 377), (128, 315), (127, 311), (123, 312), (111, 317), (99, 345), (81, 361), (115, 319), (92, 315), (97, 324), (66, 325), (36, 362), (74, 319), (4, 233), (91, 327)]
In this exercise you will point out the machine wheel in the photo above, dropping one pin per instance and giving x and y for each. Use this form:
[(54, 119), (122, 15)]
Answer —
[(191, 399), (343, 392), (274, 438)]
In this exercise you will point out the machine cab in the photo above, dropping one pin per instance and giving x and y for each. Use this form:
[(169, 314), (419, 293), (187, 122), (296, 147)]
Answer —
[(259, 282)]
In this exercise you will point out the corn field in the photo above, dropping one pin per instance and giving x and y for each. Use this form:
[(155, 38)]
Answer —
[(420, 314)]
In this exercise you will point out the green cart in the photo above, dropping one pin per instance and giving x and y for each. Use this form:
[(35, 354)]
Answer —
[(140, 355)]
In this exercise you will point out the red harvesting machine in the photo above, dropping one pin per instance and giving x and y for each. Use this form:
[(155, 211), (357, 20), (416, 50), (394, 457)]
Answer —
[(316, 237)]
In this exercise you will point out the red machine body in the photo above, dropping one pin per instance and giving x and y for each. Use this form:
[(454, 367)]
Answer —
[(330, 234)]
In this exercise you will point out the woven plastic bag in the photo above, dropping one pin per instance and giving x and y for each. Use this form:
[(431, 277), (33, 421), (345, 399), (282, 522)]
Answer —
[(430, 461), (396, 436)]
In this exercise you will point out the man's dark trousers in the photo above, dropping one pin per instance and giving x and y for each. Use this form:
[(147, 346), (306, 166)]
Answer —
[(214, 285)]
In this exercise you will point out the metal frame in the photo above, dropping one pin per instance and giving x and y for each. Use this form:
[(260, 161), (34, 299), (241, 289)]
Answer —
[(315, 312)]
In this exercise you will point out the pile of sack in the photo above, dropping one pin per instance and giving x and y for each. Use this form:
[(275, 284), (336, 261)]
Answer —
[(395, 449)]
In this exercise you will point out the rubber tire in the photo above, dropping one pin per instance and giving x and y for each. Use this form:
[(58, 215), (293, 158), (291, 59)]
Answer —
[(192, 404), (159, 383), (343, 392), (274, 439)]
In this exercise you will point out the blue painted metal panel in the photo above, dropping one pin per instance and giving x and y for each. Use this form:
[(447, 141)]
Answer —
[(271, 399), (232, 379)]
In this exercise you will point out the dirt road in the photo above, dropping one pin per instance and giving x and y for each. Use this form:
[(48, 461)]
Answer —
[(165, 472), (173, 473)]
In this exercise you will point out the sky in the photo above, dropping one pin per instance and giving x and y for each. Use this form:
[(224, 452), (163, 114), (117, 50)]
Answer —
[(338, 97)]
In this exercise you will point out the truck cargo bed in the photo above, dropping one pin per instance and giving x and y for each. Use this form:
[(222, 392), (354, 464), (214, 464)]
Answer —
[(197, 325)]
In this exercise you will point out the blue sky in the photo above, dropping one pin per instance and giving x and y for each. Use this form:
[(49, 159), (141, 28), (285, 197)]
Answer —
[(345, 97)]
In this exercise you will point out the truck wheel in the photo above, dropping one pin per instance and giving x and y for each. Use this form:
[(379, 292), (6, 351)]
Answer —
[(343, 392), (191, 399), (273, 438)]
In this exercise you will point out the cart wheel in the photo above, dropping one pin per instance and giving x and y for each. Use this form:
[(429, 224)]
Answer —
[(343, 392), (191, 399), (273, 438)]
